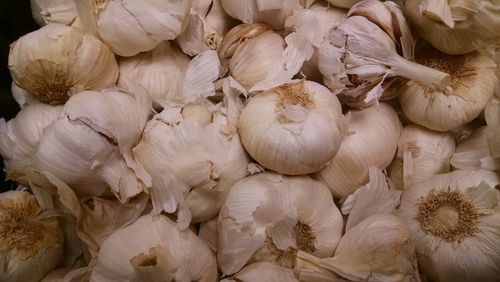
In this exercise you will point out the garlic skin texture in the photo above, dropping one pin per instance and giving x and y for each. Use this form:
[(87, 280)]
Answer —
[(191, 160), (422, 153), (472, 85), (293, 129), (372, 140), (263, 272), (268, 217), (454, 27), (153, 249), (129, 27), (22, 97), (474, 153), (65, 59), (31, 244), (53, 11), (492, 117), (343, 3), (454, 222)]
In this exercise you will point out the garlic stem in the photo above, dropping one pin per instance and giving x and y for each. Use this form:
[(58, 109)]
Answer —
[(420, 73)]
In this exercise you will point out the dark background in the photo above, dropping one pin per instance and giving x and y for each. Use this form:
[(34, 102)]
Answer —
[(15, 21)]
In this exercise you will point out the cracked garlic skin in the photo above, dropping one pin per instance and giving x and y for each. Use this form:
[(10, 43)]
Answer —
[(293, 129), (269, 217), (64, 59), (454, 222), (472, 85), (30, 245)]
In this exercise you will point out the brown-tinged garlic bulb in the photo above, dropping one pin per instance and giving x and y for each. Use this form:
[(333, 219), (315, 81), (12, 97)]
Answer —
[(65, 60)]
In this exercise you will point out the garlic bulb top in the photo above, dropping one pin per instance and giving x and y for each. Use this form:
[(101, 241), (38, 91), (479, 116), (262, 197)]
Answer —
[(454, 27), (153, 249), (371, 140), (31, 243), (191, 160), (422, 153), (293, 129), (263, 272), (53, 11), (269, 217), (472, 85), (65, 59), (454, 222)]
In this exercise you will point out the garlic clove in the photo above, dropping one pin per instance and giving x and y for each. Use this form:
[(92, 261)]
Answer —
[(343, 3)]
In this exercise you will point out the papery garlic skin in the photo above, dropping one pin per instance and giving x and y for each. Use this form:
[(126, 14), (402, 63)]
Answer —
[(30, 245), (474, 153), (293, 129), (53, 11), (264, 272), (492, 117), (66, 58), (22, 97), (422, 153), (454, 27), (268, 217), (372, 139), (153, 247), (208, 233), (472, 85), (454, 222)]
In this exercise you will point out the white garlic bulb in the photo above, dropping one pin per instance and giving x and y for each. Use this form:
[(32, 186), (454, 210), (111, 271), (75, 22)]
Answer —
[(293, 129), (474, 153), (376, 249), (22, 97), (53, 11), (191, 160), (208, 233), (31, 243), (454, 222), (472, 85), (65, 59), (153, 249), (263, 272), (421, 154), (269, 217), (454, 27), (372, 140)]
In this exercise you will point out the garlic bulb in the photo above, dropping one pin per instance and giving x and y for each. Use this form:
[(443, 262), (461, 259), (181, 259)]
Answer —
[(474, 153), (472, 85), (191, 160), (65, 59), (263, 272), (208, 233), (129, 27), (97, 137), (372, 140), (422, 153), (53, 11), (153, 249), (22, 97), (30, 241), (454, 222), (269, 217), (294, 128), (376, 249), (169, 76), (454, 27)]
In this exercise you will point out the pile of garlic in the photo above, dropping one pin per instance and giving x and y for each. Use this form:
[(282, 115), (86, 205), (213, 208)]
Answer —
[(279, 140)]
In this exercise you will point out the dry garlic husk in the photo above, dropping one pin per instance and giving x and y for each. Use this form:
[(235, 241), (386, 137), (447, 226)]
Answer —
[(454, 27), (472, 85), (454, 221), (421, 154), (367, 48), (53, 11), (192, 160), (90, 146), (293, 129), (153, 249), (129, 27), (372, 140), (169, 76), (263, 272), (269, 217), (19, 138), (22, 97), (376, 249), (492, 117), (64, 59), (31, 241), (474, 153), (206, 27), (208, 233)]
